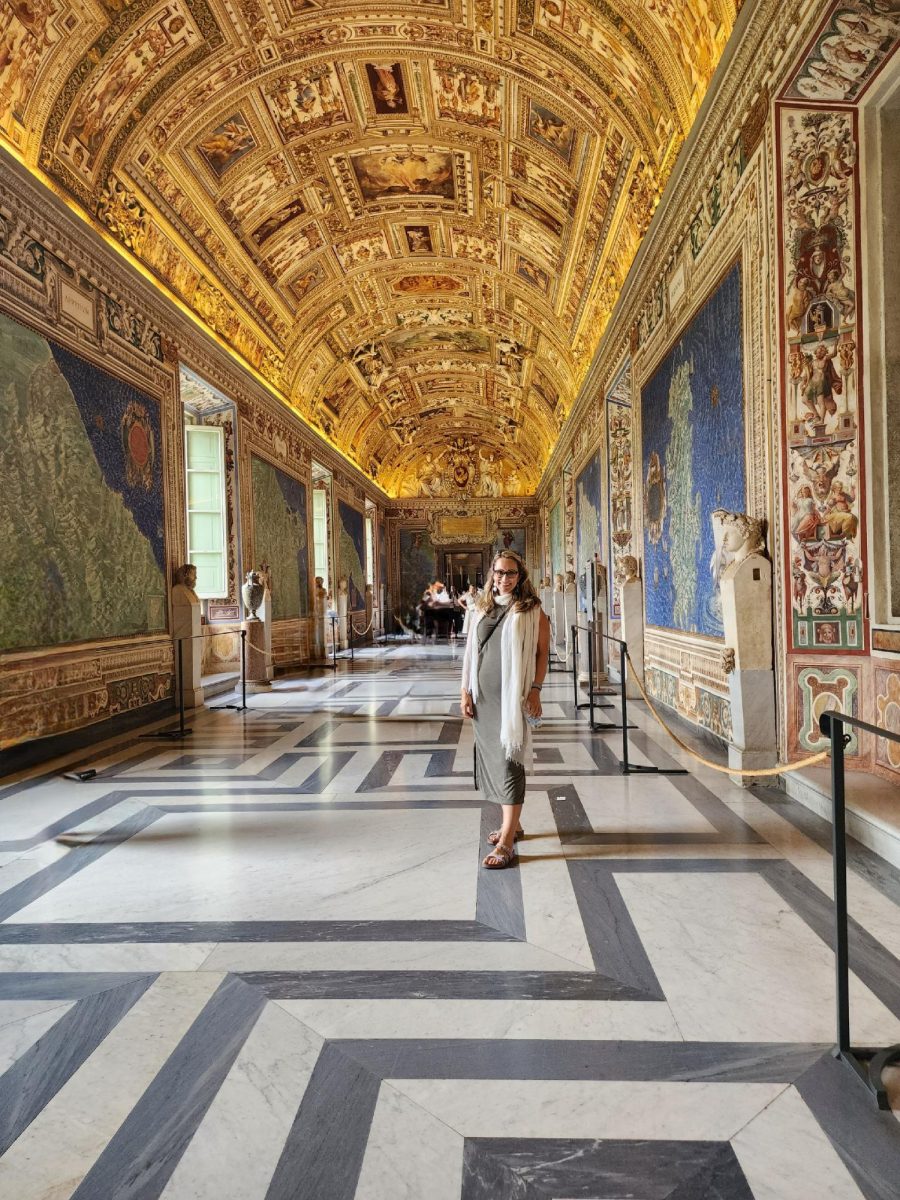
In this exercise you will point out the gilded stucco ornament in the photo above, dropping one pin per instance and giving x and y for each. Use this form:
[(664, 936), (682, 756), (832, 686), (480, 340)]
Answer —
[(313, 181)]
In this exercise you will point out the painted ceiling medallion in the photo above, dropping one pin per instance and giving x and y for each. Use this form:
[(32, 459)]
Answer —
[(404, 215)]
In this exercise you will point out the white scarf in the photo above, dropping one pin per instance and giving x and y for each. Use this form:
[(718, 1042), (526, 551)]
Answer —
[(518, 654)]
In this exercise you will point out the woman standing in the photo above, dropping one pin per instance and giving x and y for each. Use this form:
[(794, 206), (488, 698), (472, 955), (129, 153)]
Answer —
[(467, 602), (503, 669)]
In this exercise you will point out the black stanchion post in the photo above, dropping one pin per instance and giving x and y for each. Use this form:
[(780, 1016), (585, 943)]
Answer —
[(623, 658), (590, 656), (333, 642), (574, 653), (244, 668), (839, 856)]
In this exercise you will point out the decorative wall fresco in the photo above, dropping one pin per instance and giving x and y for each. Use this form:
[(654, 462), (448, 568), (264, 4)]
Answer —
[(850, 47), (692, 428), (557, 539), (822, 396), (509, 538), (887, 714), (821, 690), (620, 458), (418, 567), (588, 527), (281, 537), (351, 555), (82, 551)]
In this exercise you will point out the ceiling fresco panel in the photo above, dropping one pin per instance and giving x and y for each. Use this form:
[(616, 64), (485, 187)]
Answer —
[(414, 218)]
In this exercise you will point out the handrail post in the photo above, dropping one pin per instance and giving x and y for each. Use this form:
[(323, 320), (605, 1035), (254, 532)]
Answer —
[(623, 657), (839, 855)]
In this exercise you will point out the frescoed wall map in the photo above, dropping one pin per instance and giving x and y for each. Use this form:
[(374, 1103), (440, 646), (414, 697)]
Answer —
[(588, 526), (417, 569), (352, 553), (279, 520), (692, 421), (82, 549)]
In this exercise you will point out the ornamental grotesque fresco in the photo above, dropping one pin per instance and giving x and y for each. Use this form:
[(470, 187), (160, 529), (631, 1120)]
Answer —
[(413, 218)]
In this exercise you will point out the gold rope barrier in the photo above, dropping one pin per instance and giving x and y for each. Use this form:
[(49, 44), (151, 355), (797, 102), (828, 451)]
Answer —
[(781, 769)]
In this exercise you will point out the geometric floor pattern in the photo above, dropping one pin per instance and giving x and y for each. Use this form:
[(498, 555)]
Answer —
[(264, 964)]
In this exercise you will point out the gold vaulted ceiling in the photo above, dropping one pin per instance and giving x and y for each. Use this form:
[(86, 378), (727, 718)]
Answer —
[(412, 218)]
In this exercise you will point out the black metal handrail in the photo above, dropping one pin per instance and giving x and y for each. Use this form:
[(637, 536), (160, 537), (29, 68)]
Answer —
[(866, 1065)]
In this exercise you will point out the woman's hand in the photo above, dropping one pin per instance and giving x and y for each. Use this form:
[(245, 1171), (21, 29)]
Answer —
[(466, 704), (533, 703)]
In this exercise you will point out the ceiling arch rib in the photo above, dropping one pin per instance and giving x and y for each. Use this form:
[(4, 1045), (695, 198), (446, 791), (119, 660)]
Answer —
[(413, 219)]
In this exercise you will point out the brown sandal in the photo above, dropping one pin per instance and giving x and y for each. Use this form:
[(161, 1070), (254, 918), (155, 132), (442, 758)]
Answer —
[(494, 836), (505, 854)]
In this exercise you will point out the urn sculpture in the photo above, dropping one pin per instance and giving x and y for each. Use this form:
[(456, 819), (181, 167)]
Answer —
[(253, 592)]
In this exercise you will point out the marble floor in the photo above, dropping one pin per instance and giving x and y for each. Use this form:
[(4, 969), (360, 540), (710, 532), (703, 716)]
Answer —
[(263, 963)]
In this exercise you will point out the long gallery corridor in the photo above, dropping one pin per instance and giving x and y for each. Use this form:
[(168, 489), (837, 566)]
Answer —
[(264, 964)]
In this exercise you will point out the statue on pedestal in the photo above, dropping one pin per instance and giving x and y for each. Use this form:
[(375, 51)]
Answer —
[(627, 570), (185, 578), (558, 582), (253, 593), (570, 581)]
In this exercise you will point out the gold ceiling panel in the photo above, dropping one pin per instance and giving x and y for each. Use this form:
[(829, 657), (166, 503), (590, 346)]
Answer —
[(412, 218)]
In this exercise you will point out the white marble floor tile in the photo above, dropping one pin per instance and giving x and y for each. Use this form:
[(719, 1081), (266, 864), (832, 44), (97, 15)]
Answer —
[(552, 916), (736, 963), (307, 865), (55, 1152), (616, 804), (257, 1101), (427, 708), (410, 1154), (144, 957), (387, 730), (385, 956), (785, 1155), (555, 1020), (22, 1022), (633, 1109)]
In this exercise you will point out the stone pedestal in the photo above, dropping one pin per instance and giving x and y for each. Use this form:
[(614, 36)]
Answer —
[(547, 600), (746, 590), (318, 639), (559, 621), (570, 615), (631, 599), (260, 667), (369, 609), (343, 611), (186, 624)]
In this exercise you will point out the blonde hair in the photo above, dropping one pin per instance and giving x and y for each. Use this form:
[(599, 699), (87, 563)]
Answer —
[(525, 595)]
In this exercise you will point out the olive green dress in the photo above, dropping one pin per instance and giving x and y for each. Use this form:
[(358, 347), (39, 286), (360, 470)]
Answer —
[(495, 776)]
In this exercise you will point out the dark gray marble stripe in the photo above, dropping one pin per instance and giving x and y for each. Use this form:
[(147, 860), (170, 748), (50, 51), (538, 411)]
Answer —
[(24, 893), (615, 944), (442, 985), (314, 783), (324, 1151), (383, 771), (867, 1140), (35, 1078), (876, 967), (139, 1160), (69, 821), (568, 813), (62, 985), (450, 733), (864, 862), (499, 897), (61, 933), (321, 806), (440, 764), (677, 1062), (538, 1168)]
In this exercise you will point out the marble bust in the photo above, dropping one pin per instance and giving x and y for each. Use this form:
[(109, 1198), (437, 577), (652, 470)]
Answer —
[(185, 583), (742, 535), (627, 569)]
